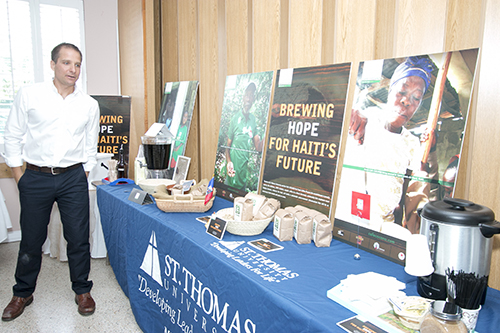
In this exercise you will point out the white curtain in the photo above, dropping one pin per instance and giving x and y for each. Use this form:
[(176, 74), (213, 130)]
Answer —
[(5, 222)]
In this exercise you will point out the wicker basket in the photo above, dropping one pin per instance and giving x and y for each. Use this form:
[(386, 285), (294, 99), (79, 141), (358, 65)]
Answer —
[(184, 203), (243, 228)]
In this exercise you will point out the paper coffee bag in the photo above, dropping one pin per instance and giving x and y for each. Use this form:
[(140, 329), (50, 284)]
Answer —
[(300, 208), (302, 228), (283, 225), (257, 199), (243, 209), (322, 230), (268, 209), (310, 212)]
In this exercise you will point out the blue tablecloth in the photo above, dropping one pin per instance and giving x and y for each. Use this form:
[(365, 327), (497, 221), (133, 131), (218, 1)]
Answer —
[(181, 279)]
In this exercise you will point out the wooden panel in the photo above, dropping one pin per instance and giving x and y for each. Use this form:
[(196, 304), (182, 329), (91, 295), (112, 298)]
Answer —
[(210, 82), (461, 184), (237, 36), (420, 27), (169, 39), (484, 176), (328, 33), (188, 71), (463, 25), (354, 30), (152, 61), (132, 69), (188, 42), (463, 31), (305, 33), (267, 34), (284, 33), (384, 33)]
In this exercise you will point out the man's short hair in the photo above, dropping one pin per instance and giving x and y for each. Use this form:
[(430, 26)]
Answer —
[(56, 50)]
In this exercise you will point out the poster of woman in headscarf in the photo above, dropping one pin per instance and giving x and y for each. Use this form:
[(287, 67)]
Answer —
[(405, 137)]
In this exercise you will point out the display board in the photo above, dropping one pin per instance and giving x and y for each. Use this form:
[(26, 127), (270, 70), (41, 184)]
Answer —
[(304, 135), (406, 133), (242, 134), (114, 124), (176, 112)]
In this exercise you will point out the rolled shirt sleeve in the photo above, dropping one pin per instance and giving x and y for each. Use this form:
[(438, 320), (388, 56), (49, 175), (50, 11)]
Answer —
[(15, 129)]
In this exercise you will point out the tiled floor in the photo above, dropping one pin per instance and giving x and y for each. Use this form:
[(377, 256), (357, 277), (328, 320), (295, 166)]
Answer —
[(54, 310)]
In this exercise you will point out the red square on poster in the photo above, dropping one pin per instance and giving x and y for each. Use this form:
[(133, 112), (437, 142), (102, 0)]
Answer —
[(360, 205)]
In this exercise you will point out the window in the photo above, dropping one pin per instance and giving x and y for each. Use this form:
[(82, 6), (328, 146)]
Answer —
[(29, 30)]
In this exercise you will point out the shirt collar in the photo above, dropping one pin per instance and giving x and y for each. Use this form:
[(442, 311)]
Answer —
[(52, 86)]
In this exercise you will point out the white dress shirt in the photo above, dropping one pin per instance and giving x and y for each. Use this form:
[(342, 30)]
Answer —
[(47, 130)]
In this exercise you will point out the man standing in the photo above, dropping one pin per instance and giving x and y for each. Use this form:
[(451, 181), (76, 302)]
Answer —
[(242, 135), (53, 127)]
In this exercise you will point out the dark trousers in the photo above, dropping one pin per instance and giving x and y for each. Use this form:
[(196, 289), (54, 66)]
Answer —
[(37, 193)]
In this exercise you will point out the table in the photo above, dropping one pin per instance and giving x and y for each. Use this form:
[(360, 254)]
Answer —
[(181, 279)]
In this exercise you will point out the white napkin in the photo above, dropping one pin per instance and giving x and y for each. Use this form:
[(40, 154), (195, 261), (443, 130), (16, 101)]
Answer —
[(372, 288)]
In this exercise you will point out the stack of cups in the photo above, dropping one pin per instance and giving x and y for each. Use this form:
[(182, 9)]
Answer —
[(469, 317), (112, 171), (418, 256)]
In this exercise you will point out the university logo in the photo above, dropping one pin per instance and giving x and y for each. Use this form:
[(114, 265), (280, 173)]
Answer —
[(231, 245), (151, 261)]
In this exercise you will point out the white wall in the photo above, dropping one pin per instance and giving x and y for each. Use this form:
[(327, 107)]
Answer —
[(101, 47)]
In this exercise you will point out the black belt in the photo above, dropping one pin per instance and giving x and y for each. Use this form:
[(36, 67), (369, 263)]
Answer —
[(51, 170)]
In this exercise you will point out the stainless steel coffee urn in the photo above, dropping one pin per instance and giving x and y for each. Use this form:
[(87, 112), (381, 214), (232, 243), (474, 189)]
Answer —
[(459, 234)]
